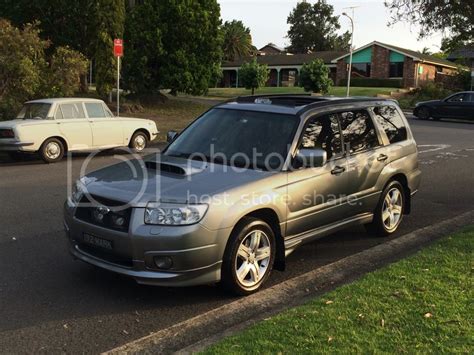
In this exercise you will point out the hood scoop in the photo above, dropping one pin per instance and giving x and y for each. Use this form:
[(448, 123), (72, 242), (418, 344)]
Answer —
[(175, 169)]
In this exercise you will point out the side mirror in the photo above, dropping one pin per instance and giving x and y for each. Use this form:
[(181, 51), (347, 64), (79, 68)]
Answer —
[(171, 136), (311, 158)]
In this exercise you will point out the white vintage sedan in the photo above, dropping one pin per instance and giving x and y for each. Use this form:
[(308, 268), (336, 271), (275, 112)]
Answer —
[(52, 127)]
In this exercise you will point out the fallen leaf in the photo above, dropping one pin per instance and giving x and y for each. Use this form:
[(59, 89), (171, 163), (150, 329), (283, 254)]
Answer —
[(428, 315), (307, 290), (329, 302), (382, 323), (361, 315), (330, 339), (125, 332), (426, 269), (13, 238), (65, 326)]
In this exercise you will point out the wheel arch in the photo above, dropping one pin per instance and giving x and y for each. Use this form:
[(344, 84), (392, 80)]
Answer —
[(143, 130), (59, 138)]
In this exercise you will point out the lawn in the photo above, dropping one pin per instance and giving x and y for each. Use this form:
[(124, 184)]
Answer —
[(422, 304), (174, 114), (335, 90)]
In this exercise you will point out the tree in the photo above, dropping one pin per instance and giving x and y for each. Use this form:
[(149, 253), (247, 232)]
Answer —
[(237, 41), (191, 43), (314, 77), (454, 17), (314, 28), (27, 73), (21, 63), (253, 75), (144, 49), (66, 67), (108, 24)]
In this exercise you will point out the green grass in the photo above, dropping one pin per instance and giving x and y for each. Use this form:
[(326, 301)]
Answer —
[(422, 304), (335, 90)]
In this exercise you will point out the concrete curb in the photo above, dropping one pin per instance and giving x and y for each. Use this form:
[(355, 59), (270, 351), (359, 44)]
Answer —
[(198, 332)]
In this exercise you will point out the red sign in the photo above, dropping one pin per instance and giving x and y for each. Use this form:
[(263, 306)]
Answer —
[(118, 47)]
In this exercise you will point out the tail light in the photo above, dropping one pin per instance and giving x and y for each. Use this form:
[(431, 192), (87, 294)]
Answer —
[(7, 133)]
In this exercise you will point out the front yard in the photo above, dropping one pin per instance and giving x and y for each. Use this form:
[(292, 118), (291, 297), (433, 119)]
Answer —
[(335, 90), (422, 304)]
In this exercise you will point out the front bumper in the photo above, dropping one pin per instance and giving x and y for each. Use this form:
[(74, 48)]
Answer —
[(13, 145), (195, 250)]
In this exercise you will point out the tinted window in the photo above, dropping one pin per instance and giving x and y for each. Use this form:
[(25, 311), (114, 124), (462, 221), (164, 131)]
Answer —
[(95, 110), (470, 97), (72, 111), (358, 131), (323, 132), (457, 98), (391, 122), (227, 136)]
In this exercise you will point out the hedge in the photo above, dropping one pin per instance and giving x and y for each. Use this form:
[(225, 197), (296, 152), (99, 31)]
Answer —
[(375, 82)]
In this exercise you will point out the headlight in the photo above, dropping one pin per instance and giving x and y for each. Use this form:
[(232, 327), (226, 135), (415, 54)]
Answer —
[(173, 214), (77, 192)]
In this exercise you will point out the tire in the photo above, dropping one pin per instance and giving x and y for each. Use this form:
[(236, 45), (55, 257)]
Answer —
[(388, 214), (52, 150), (423, 113), (138, 142), (249, 238)]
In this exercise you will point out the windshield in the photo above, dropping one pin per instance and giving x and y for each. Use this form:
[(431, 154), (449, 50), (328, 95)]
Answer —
[(36, 111), (240, 138)]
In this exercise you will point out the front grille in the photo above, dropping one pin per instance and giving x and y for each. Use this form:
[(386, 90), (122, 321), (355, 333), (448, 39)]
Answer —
[(104, 213), (103, 255)]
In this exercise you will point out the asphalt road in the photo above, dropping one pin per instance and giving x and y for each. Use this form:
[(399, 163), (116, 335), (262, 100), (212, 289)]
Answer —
[(50, 303)]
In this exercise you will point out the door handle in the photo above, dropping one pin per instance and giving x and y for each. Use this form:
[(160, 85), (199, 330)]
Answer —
[(338, 170), (382, 157)]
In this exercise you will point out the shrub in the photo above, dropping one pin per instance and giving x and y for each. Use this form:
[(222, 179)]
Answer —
[(428, 91), (253, 75), (375, 82), (314, 77)]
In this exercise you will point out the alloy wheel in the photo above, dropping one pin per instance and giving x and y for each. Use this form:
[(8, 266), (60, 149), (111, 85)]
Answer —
[(392, 209), (139, 143), (253, 258)]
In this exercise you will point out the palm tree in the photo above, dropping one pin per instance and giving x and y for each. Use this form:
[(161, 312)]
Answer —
[(237, 40)]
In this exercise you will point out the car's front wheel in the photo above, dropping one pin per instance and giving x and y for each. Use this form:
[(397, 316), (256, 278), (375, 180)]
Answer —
[(52, 150), (249, 256), (139, 141), (389, 211)]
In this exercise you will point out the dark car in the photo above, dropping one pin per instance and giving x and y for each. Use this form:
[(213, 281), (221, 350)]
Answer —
[(459, 105)]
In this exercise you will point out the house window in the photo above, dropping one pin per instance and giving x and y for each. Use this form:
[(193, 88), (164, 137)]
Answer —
[(396, 70), (361, 69)]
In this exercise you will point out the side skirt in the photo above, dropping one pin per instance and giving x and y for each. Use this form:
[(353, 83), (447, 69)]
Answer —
[(292, 242)]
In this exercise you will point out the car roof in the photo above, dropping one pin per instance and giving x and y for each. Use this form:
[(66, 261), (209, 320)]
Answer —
[(63, 99), (292, 104)]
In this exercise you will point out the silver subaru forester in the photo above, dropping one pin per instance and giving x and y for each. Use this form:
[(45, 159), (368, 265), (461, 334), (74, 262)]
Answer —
[(243, 186)]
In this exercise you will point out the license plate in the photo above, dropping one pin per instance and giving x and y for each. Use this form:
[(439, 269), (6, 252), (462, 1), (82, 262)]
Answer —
[(98, 242)]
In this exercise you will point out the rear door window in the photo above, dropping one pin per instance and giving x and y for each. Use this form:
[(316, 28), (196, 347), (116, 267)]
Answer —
[(95, 110), (70, 111), (358, 131), (390, 120), (323, 132)]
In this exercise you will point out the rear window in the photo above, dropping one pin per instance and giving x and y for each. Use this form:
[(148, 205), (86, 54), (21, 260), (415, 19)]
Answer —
[(390, 120)]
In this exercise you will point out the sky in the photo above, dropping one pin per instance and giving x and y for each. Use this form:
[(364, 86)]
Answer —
[(267, 22)]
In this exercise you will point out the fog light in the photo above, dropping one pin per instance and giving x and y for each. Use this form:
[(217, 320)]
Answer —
[(163, 262)]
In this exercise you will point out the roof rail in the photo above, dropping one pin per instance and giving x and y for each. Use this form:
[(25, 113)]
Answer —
[(281, 99)]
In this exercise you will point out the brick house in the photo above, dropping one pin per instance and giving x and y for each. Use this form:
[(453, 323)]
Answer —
[(383, 61)]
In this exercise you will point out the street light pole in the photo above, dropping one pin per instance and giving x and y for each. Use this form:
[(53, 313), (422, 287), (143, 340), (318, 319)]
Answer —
[(350, 54)]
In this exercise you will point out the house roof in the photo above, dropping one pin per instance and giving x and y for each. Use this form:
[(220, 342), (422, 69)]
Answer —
[(462, 53), (416, 56), (274, 46), (286, 60)]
